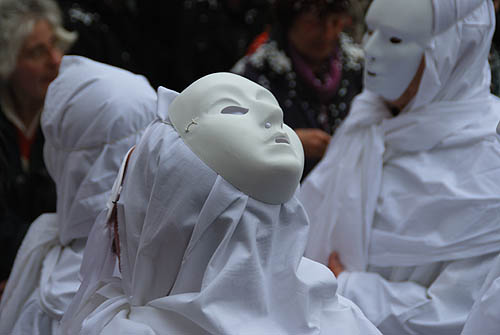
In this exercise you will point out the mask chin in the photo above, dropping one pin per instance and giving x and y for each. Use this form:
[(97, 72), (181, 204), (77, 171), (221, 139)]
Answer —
[(390, 89), (236, 128), (390, 76)]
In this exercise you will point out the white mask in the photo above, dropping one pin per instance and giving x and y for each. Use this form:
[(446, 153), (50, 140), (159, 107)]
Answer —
[(236, 127), (398, 31)]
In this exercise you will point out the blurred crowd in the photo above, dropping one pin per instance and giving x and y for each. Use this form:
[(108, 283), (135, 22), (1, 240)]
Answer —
[(172, 44), (309, 54), (283, 45)]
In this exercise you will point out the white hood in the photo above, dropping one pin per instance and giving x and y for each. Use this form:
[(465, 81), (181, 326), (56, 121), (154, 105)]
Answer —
[(450, 12), (93, 114)]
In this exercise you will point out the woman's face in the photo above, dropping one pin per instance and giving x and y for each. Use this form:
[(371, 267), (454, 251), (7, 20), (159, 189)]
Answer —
[(37, 63), (315, 36)]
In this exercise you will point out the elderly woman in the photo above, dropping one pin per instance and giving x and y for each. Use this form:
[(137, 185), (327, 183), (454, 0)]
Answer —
[(203, 233), (408, 192), (312, 68), (32, 42), (93, 114)]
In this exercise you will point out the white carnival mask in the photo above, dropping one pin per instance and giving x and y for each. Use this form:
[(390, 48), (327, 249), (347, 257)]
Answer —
[(236, 127), (394, 46)]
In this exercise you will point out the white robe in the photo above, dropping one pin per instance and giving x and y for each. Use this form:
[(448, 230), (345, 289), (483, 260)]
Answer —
[(411, 203), (198, 256), (484, 318), (93, 114)]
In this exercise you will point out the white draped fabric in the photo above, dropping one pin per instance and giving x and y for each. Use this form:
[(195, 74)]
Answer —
[(485, 317), (411, 203), (93, 114), (454, 10), (198, 256)]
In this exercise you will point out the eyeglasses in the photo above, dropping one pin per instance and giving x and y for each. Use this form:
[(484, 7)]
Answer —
[(41, 51)]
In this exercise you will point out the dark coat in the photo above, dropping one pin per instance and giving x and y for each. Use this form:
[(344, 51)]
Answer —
[(24, 195)]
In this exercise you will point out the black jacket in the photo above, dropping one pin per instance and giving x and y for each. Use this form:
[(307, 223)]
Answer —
[(24, 195)]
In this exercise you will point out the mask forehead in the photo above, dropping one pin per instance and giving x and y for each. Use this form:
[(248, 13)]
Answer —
[(233, 91), (409, 19), (210, 95)]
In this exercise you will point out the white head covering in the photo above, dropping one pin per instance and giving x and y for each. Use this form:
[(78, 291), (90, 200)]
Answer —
[(429, 177), (93, 114), (199, 256), (451, 11)]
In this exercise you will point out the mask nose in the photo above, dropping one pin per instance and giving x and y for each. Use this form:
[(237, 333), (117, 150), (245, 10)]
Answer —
[(273, 119), (372, 47), (277, 115)]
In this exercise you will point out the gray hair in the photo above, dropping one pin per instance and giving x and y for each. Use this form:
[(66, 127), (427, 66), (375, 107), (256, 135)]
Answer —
[(17, 19)]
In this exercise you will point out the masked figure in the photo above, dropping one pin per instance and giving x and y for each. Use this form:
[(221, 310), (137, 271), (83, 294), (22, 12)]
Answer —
[(407, 194), (208, 235), (93, 114)]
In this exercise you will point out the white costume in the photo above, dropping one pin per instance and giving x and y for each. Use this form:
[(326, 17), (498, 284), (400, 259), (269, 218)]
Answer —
[(197, 255), (93, 114), (484, 318), (412, 203)]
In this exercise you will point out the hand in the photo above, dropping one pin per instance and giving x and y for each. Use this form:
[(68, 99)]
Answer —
[(314, 141), (334, 264)]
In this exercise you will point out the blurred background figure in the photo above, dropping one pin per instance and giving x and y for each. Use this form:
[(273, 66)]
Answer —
[(32, 42), (405, 203), (93, 114), (312, 68)]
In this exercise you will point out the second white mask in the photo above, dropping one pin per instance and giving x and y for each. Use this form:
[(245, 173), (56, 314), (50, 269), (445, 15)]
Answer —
[(394, 46)]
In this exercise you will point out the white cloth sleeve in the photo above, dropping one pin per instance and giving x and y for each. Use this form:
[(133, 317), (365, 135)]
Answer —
[(406, 307), (25, 275), (484, 317)]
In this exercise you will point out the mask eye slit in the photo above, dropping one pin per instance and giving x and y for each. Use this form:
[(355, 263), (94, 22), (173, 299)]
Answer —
[(395, 40), (234, 110)]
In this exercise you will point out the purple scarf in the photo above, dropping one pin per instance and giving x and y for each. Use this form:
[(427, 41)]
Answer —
[(326, 88)]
